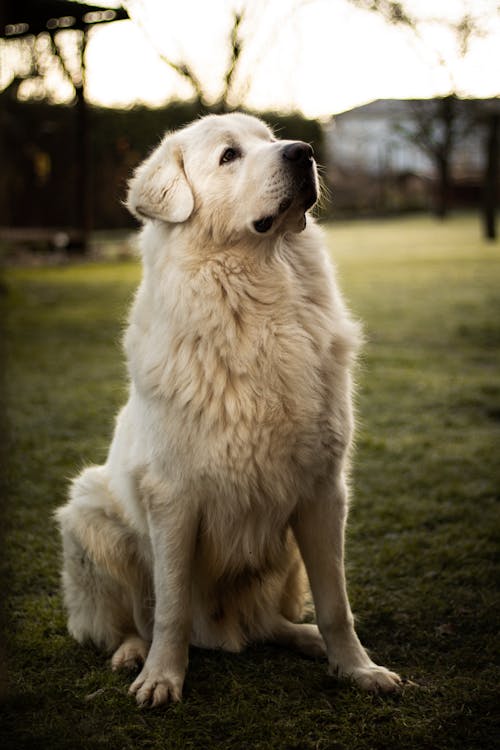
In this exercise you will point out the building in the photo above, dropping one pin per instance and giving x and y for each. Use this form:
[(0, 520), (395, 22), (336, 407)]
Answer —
[(387, 155)]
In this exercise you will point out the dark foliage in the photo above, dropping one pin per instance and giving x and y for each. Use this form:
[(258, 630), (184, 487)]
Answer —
[(38, 145)]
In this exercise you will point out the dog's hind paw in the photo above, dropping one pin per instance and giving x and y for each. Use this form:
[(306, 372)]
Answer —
[(131, 654)]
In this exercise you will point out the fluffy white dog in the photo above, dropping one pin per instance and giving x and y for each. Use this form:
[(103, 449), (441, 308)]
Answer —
[(227, 468)]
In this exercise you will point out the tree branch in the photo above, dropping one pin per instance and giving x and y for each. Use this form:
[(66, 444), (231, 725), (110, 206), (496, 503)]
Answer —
[(236, 50), (181, 68), (393, 11)]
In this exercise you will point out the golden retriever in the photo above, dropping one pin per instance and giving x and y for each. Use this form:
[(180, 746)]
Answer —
[(227, 469)]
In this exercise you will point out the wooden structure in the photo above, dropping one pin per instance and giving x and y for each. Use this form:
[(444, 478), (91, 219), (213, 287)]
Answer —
[(22, 18)]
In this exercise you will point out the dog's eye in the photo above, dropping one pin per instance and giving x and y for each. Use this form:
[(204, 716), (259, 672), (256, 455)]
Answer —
[(230, 154)]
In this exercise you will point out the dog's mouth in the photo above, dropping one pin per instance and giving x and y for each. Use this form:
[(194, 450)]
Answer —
[(264, 225), (306, 195)]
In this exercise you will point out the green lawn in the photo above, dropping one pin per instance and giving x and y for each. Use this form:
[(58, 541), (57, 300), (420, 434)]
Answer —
[(423, 527)]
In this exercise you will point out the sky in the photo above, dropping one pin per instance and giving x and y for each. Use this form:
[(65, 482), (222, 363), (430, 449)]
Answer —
[(318, 56)]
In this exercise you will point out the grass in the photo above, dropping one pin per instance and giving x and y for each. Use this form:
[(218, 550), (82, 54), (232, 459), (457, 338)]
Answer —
[(423, 527)]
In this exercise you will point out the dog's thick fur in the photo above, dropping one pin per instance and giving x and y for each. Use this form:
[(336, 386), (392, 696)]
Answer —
[(227, 467)]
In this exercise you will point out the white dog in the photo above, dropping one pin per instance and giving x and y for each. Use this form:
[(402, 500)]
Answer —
[(227, 467)]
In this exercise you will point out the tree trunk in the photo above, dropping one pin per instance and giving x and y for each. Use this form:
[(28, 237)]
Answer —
[(490, 184), (443, 188)]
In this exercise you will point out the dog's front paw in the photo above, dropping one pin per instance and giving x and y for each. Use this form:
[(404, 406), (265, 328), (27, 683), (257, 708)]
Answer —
[(375, 679), (153, 687)]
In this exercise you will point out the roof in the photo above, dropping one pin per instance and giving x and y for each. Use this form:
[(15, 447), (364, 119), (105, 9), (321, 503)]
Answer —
[(22, 17), (381, 107), (396, 107)]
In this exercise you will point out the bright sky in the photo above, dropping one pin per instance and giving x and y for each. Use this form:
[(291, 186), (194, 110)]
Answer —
[(320, 56)]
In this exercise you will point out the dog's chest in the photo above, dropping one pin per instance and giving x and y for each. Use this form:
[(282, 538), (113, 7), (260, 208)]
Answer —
[(239, 380)]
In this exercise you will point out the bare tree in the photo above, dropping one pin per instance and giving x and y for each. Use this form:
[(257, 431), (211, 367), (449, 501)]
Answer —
[(253, 30), (437, 127), (438, 130), (236, 46)]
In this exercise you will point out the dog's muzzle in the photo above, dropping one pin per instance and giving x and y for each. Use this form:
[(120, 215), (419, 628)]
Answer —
[(298, 159)]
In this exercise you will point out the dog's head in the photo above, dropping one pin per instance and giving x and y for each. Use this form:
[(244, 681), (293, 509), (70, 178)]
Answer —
[(229, 173)]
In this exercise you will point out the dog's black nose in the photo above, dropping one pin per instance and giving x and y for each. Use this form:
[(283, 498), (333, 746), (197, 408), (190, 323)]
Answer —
[(298, 152)]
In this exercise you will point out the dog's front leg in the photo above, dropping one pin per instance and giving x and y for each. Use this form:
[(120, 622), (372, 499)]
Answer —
[(173, 526), (319, 527)]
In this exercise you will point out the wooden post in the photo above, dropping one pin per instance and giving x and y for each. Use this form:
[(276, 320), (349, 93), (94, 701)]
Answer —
[(82, 158)]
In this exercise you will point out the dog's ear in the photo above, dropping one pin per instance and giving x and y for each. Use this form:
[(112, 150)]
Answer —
[(159, 188)]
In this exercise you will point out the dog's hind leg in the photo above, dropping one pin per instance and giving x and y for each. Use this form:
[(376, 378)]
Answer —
[(105, 581), (303, 637)]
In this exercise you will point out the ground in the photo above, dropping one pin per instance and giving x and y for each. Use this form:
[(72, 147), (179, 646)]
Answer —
[(423, 532)]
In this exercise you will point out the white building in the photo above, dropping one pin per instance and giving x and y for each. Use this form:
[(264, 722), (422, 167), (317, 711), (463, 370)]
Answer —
[(377, 139)]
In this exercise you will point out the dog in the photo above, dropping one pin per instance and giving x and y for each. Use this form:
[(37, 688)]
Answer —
[(227, 472)]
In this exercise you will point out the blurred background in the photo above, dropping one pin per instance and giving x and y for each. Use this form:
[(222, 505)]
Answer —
[(399, 99)]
